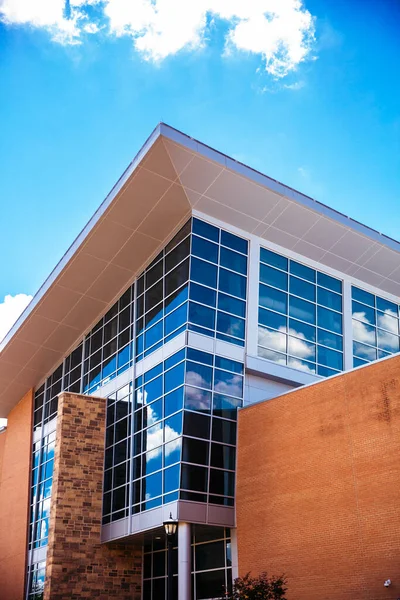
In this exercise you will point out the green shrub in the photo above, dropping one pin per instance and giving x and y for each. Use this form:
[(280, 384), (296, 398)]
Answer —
[(258, 588)]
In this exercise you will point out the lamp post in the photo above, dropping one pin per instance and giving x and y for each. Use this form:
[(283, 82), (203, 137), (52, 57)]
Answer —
[(170, 526)]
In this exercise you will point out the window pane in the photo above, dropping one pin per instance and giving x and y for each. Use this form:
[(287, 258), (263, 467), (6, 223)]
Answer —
[(224, 431), (202, 315), (301, 365), (234, 242), (364, 333), (273, 277), (234, 261), (174, 377), (231, 283), (177, 277), (273, 259), (388, 322), (205, 230), (197, 399), (204, 249), (171, 479), (329, 299), (300, 309), (176, 319), (195, 451), (194, 478), (330, 358), (210, 584), (203, 272), (388, 307), (198, 375), (229, 365), (224, 406), (151, 486), (302, 271), (223, 457), (222, 483), (363, 296), (329, 320), (210, 556), (330, 339), (228, 383), (173, 401), (301, 349), (329, 282), (176, 299), (173, 427), (302, 288), (231, 305), (387, 341), (196, 425), (363, 351), (363, 313), (302, 330), (153, 390), (272, 319), (272, 339), (203, 294), (177, 255), (271, 298), (153, 461), (230, 325), (172, 452)]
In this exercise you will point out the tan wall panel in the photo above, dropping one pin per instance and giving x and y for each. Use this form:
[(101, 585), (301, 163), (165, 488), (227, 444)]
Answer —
[(15, 458), (318, 486)]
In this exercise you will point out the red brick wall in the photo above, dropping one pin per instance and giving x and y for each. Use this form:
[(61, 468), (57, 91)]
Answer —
[(78, 565), (15, 448), (318, 491)]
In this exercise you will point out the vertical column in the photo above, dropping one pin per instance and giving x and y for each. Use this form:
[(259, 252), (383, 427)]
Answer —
[(234, 554), (184, 562), (347, 326), (252, 298)]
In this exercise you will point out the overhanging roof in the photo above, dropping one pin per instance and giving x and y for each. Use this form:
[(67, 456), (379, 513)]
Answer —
[(171, 175)]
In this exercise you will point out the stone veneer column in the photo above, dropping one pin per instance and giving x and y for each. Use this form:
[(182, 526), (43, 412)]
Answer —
[(78, 565)]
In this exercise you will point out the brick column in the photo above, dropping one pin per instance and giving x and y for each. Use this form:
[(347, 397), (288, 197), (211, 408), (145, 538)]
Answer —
[(78, 565)]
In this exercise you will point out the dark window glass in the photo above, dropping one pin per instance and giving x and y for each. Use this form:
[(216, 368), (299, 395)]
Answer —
[(228, 383), (154, 274), (121, 430), (202, 315), (125, 299), (302, 271), (363, 313), (273, 277), (206, 230), (195, 451), (329, 282), (234, 261), (120, 452), (197, 399), (362, 296), (176, 299), (199, 356), (154, 315), (174, 377), (223, 457), (196, 425), (231, 305), (330, 358), (329, 320), (226, 407), (231, 283), (203, 272), (182, 233), (234, 242), (120, 475), (177, 255), (224, 431), (173, 401), (140, 285), (198, 375), (300, 309), (271, 298), (222, 482), (203, 294), (210, 584), (194, 478), (171, 479), (210, 556), (154, 295), (204, 249), (177, 277)]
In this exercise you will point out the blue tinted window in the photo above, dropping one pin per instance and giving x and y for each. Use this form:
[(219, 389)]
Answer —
[(171, 479), (203, 294), (302, 330), (205, 230), (329, 320), (153, 335), (300, 309), (325, 372), (234, 242), (153, 390), (387, 341), (302, 288), (203, 272), (173, 427), (176, 319), (231, 305), (199, 375), (110, 366), (199, 356), (329, 282), (230, 325), (225, 406), (154, 412), (301, 365), (152, 486), (174, 359), (357, 362), (153, 460), (272, 319), (364, 351), (228, 383), (174, 377), (330, 339), (123, 356), (330, 358), (228, 364), (173, 401), (202, 315), (172, 452), (196, 399), (231, 283), (273, 277), (302, 271), (271, 298), (176, 299), (234, 261), (329, 299), (301, 349), (157, 370), (363, 313), (204, 249), (362, 296), (231, 340), (271, 258), (386, 306)]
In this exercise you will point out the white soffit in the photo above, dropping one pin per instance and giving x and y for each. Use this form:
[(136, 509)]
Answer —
[(171, 175)]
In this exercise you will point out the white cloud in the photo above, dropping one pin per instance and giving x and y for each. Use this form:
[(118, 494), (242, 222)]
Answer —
[(281, 32), (10, 310)]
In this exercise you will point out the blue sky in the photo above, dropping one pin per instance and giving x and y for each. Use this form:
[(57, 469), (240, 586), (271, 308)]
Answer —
[(308, 95)]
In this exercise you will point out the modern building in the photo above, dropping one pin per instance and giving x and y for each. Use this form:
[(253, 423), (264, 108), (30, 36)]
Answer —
[(203, 350)]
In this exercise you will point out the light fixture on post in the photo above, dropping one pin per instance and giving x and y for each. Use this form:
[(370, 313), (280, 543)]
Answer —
[(170, 526)]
